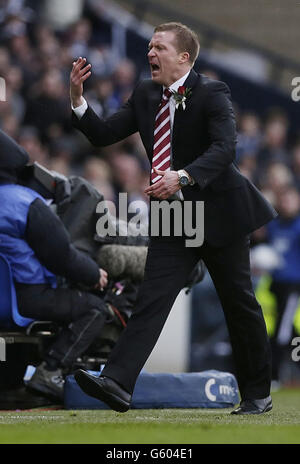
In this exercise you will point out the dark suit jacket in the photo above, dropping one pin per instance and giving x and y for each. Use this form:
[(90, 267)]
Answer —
[(203, 143)]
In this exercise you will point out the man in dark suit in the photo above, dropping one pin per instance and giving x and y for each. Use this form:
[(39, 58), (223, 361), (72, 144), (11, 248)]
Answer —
[(187, 126)]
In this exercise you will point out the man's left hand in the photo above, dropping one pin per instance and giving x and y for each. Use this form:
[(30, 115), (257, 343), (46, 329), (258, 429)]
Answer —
[(164, 187)]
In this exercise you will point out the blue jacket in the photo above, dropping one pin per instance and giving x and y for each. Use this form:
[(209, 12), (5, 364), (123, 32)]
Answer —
[(284, 236), (26, 268)]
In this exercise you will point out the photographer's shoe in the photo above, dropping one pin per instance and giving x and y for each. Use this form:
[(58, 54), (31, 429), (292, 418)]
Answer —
[(50, 383), (254, 406), (104, 389)]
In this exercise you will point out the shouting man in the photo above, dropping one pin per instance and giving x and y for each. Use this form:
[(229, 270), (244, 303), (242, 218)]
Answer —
[(187, 126)]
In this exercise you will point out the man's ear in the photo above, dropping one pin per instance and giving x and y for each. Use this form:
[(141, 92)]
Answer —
[(184, 57)]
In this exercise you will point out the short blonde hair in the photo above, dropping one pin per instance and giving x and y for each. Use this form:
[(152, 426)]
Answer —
[(186, 39)]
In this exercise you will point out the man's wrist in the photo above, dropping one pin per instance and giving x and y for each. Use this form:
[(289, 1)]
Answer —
[(76, 102), (182, 172), (81, 109)]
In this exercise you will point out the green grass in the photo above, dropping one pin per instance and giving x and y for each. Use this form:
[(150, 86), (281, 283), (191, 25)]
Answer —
[(281, 425)]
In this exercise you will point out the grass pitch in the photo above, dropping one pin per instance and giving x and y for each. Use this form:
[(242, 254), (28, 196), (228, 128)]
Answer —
[(166, 426)]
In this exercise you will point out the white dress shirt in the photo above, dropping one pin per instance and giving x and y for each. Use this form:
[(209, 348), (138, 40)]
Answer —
[(174, 88)]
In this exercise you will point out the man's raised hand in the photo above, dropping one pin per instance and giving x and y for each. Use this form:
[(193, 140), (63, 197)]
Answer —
[(80, 72)]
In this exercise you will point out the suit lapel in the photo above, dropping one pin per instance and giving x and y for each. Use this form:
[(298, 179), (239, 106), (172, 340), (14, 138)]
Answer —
[(180, 114)]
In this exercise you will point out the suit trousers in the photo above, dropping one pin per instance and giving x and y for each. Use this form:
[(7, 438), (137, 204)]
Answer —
[(168, 264)]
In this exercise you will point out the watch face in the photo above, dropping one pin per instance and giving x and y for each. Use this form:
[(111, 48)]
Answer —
[(183, 181)]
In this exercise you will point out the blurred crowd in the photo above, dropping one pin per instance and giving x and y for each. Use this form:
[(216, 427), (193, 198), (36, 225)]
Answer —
[(36, 60)]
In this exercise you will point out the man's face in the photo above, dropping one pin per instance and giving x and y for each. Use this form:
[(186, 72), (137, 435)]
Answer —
[(166, 63)]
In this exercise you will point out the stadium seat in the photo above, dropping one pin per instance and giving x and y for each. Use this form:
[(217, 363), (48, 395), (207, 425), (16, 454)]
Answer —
[(25, 339), (9, 314), (10, 318)]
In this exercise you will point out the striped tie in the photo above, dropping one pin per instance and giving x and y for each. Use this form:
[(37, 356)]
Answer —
[(162, 137)]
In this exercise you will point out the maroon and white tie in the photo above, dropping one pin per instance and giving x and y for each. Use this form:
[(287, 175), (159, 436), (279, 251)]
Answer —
[(162, 137)]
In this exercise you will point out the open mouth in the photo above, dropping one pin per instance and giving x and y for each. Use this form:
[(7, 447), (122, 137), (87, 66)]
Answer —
[(154, 67)]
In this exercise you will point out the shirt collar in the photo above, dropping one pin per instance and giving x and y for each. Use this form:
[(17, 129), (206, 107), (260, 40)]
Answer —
[(174, 87)]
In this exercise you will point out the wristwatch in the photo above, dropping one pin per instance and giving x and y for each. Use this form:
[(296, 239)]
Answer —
[(183, 179)]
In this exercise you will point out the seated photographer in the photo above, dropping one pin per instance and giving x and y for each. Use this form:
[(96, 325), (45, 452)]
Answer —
[(37, 246)]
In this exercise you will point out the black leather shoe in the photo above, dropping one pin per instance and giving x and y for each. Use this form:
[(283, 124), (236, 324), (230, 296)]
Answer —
[(254, 406), (104, 389)]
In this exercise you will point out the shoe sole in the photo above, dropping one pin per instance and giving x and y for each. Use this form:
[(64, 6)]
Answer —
[(91, 388), (267, 409)]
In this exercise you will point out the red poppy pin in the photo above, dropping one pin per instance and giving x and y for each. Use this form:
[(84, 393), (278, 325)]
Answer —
[(181, 95)]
